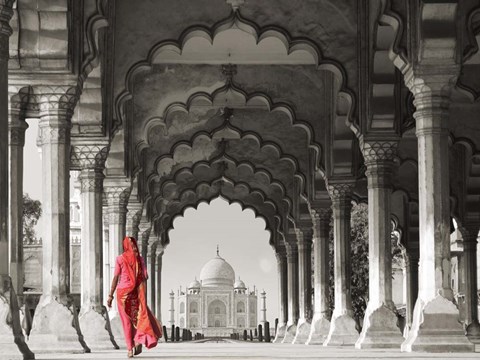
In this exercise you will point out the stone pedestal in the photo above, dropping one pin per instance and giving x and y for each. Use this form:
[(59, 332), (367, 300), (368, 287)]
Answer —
[(96, 329), (12, 340), (343, 326), (436, 325), (55, 328), (321, 319), (380, 328)]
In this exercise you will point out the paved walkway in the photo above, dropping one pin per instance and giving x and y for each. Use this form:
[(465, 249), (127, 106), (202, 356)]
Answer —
[(246, 350)]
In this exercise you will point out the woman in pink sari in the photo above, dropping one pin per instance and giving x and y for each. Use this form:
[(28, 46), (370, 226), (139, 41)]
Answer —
[(139, 324)]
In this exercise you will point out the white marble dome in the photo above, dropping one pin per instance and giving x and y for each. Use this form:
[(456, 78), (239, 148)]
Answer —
[(217, 272), (239, 284), (194, 284)]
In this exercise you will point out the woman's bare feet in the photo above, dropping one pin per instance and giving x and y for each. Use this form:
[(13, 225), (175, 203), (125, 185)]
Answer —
[(130, 353)]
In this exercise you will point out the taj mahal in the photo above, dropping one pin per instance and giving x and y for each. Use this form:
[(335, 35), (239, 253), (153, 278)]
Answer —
[(217, 305)]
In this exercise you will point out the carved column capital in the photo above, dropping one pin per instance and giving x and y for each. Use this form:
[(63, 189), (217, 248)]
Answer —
[(431, 86), (292, 252), (379, 151), (16, 132), (53, 132), (88, 156), (320, 218), (340, 191), (56, 100), (117, 199)]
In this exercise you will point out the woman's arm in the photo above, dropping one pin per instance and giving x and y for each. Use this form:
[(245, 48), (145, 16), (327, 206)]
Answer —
[(112, 290)]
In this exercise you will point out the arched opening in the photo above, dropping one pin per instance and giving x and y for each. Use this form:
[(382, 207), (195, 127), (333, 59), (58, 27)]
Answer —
[(217, 314)]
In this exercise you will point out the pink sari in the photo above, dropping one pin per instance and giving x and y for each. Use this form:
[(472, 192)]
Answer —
[(139, 324)]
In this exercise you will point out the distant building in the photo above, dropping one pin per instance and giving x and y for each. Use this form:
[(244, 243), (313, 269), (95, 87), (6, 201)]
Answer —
[(217, 305)]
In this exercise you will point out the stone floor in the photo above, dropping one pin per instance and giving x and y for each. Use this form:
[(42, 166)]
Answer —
[(242, 350)]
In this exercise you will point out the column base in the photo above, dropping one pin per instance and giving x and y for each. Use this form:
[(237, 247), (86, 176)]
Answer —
[(473, 332), (280, 334), (380, 330), (289, 334), (55, 329), (342, 332), (303, 331), (436, 328), (319, 330), (97, 330), (12, 341), (117, 329)]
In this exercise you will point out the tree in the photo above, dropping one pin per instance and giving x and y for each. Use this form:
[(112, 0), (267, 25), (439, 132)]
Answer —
[(359, 260), (32, 210)]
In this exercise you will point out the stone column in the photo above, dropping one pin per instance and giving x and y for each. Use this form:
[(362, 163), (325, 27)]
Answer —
[(107, 280), (321, 318), (304, 239), (16, 141), (411, 267), (343, 327), (380, 328), (435, 321), (158, 305), (134, 214), (282, 294), (90, 158), (12, 341), (470, 234), (52, 328), (292, 291), (117, 192), (151, 283)]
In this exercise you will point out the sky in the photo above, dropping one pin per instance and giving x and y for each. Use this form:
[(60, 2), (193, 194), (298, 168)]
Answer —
[(242, 239)]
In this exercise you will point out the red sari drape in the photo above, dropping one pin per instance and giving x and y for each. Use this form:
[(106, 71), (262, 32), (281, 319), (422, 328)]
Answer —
[(147, 329)]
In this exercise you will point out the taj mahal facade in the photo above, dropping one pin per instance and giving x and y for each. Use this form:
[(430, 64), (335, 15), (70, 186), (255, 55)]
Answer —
[(217, 305)]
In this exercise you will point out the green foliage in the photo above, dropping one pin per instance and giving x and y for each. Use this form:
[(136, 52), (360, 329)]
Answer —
[(32, 210), (358, 260)]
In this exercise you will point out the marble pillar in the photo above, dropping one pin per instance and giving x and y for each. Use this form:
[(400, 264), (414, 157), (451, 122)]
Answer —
[(435, 320), (292, 291), (55, 324), (322, 314), (16, 142), (411, 269), (117, 192), (380, 328), (282, 295), (470, 281), (12, 341), (343, 327), (151, 282), (304, 239), (158, 287), (107, 280), (134, 214), (171, 320), (93, 318)]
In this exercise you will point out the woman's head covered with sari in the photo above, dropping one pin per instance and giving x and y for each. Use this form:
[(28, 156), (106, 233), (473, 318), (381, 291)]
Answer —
[(131, 257)]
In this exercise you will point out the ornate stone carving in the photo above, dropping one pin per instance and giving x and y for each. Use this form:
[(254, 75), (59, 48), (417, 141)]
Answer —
[(58, 99), (91, 182), (379, 150), (341, 191), (17, 133), (53, 133), (235, 4), (117, 199), (292, 252), (320, 217), (89, 156)]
